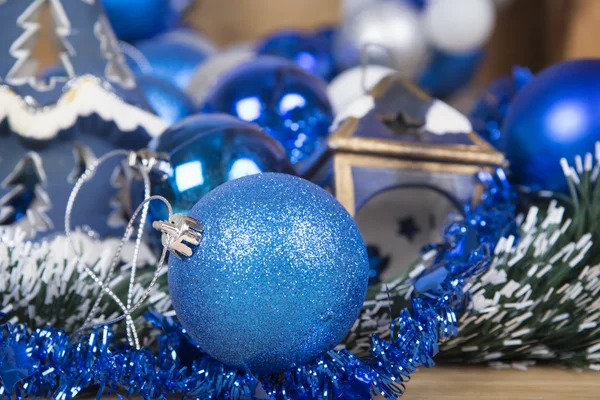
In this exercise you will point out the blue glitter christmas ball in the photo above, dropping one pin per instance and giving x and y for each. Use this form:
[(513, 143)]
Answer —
[(173, 56), (555, 115), (279, 277), (288, 102), (140, 19), (168, 101), (311, 52), (206, 151)]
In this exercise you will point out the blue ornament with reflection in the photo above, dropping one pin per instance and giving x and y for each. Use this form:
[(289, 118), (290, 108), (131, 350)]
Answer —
[(169, 102), (311, 52), (279, 277), (173, 56), (447, 73), (141, 19), (288, 102), (206, 151), (555, 115)]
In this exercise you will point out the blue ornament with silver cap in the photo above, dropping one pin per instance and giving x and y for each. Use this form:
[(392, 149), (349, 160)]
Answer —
[(205, 151), (270, 271)]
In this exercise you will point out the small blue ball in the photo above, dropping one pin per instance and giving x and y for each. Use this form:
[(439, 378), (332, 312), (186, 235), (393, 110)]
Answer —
[(173, 56), (447, 73), (206, 151), (140, 19), (555, 115), (311, 52), (279, 277), (169, 103), (288, 102)]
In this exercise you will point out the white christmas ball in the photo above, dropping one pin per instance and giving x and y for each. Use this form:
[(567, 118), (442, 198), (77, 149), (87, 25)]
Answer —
[(392, 34), (353, 83), (459, 26)]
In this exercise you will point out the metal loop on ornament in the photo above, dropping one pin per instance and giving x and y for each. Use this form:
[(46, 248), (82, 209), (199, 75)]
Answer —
[(179, 233), (142, 162), (364, 61)]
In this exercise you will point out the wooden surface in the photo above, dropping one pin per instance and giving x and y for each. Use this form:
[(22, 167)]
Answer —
[(462, 383)]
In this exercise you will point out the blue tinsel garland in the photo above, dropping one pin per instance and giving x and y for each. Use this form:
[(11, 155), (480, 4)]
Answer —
[(49, 363)]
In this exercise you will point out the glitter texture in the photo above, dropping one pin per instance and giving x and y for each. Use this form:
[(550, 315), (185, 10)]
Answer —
[(280, 275)]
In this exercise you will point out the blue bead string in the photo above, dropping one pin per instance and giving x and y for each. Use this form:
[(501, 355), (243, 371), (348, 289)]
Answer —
[(48, 363)]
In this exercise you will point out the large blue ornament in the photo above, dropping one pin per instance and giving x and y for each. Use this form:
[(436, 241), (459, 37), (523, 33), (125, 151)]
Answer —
[(167, 100), (206, 151), (555, 115), (279, 276), (141, 19), (288, 102), (173, 56), (53, 124), (311, 52)]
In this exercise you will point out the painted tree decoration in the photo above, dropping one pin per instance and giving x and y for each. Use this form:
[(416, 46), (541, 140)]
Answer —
[(27, 201), (52, 128)]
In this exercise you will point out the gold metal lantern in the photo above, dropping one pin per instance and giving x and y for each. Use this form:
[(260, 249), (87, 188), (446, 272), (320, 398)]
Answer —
[(397, 138)]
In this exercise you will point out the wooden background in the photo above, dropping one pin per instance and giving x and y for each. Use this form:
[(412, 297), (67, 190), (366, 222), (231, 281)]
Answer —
[(532, 33)]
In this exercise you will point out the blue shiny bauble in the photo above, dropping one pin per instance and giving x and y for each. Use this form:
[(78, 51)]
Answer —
[(173, 56), (140, 19), (206, 151), (311, 52), (447, 73), (288, 102), (555, 115), (169, 102), (279, 276)]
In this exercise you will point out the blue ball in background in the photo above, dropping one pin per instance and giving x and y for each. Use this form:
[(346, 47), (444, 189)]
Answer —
[(288, 102), (555, 115), (134, 20), (206, 151), (173, 56), (446, 73), (279, 276), (168, 101), (311, 52)]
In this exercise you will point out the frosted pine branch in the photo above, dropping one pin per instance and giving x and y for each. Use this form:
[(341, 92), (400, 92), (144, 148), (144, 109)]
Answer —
[(42, 283)]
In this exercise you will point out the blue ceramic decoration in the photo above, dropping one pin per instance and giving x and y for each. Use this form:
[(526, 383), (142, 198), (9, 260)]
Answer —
[(311, 52), (446, 73), (288, 102), (134, 20), (167, 100), (279, 277), (555, 115), (206, 151), (173, 56), (55, 122)]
